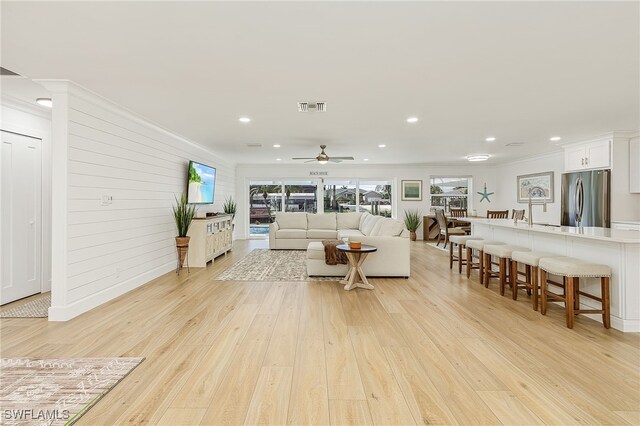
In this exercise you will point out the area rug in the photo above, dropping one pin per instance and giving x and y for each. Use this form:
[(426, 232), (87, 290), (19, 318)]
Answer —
[(37, 308), (56, 391), (271, 265)]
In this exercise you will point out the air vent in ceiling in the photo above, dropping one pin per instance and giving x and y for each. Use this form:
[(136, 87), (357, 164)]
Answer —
[(515, 144), (4, 71), (312, 107), (254, 145)]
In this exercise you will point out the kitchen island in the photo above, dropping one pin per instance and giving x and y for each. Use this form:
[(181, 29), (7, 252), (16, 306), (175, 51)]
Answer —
[(617, 248)]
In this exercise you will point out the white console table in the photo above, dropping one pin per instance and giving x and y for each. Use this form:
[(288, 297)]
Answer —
[(617, 248), (210, 237)]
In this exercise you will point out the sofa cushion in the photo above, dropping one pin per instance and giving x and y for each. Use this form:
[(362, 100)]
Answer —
[(348, 233), (288, 220), (321, 221), (388, 228), (368, 224), (291, 233), (364, 216), (348, 220), (322, 233)]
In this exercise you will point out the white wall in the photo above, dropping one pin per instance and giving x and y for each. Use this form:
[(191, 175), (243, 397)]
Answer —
[(101, 149), (20, 117), (507, 187), (479, 173), (625, 205)]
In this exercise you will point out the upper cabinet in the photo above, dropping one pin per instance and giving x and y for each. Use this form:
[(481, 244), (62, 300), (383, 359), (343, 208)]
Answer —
[(591, 155)]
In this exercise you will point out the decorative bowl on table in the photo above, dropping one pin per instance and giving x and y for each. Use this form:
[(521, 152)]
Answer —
[(355, 245)]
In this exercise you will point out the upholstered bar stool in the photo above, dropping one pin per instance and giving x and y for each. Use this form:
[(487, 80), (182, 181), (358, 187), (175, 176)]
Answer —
[(479, 246), (572, 270), (460, 242), (530, 283), (503, 253)]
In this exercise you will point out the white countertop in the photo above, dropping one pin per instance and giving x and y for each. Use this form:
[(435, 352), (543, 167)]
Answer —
[(593, 233)]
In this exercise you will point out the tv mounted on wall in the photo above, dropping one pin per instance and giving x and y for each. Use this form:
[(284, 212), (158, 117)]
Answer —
[(202, 183)]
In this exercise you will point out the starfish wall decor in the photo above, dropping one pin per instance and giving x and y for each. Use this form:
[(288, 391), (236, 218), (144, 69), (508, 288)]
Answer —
[(485, 194)]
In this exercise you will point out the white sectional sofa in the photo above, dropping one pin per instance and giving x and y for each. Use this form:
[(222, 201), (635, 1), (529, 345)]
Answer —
[(296, 231)]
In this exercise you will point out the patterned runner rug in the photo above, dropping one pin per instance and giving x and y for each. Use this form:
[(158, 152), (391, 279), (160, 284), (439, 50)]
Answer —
[(271, 265), (37, 308), (56, 391)]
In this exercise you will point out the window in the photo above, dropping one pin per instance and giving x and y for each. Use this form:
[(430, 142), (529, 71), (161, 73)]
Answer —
[(340, 196), (265, 198), (300, 196), (449, 192), (375, 197)]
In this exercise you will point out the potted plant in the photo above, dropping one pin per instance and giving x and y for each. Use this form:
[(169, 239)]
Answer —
[(230, 207), (412, 220), (183, 214)]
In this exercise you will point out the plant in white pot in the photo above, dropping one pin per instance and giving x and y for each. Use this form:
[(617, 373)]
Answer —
[(230, 207), (412, 221), (183, 213)]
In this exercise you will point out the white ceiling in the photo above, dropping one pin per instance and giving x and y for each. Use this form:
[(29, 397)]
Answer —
[(519, 71)]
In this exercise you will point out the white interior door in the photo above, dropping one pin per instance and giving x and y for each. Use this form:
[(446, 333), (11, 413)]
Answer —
[(20, 216)]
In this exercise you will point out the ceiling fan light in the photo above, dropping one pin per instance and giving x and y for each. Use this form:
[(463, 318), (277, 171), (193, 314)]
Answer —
[(322, 161)]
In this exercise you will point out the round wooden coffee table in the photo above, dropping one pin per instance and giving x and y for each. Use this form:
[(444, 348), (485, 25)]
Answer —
[(355, 277)]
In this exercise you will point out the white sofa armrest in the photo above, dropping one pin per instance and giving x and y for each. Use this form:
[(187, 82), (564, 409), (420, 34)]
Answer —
[(273, 227), (394, 251)]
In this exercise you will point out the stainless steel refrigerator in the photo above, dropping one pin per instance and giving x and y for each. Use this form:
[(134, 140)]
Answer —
[(586, 198)]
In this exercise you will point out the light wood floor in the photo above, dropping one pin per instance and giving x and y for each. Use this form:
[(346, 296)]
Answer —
[(436, 348)]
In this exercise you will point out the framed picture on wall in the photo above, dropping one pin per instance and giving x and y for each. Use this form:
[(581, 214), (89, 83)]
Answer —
[(540, 185), (411, 190)]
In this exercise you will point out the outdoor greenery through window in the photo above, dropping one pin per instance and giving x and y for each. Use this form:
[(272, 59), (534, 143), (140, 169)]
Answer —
[(449, 192)]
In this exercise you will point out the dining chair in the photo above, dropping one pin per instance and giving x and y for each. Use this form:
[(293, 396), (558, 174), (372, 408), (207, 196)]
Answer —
[(444, 228), (498, 214), (462, 224), (459, 212), (517, 214)]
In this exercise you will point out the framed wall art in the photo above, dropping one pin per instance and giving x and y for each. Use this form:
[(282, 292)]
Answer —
[(540, 185), (411, 190)]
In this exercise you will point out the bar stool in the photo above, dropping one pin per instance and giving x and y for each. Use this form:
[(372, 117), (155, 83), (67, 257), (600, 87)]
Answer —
[(572, 270), (460, 241), (503, 253), (530, 259), (477, 245)]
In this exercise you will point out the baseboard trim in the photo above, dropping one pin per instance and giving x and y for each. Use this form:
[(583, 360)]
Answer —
[(65, 313)]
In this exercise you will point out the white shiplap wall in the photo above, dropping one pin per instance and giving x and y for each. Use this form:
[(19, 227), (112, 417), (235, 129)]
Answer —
[(113, 248)]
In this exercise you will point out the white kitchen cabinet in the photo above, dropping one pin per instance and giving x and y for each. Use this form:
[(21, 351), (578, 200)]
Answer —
[(591, 155), (634, 165)]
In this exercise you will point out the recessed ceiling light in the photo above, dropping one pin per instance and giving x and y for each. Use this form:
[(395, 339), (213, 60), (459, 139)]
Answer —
[(412, 119), (490, 139), (278, 159), (479, 157), (365, 159), (276, 146), (244, 119), (555, 138), (382, 145), (45, 102)]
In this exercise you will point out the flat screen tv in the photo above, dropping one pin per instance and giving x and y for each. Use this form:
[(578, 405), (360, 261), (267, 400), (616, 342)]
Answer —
[(202, 183)]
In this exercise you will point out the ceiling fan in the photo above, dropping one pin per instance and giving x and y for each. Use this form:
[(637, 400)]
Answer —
[(323, 158)]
